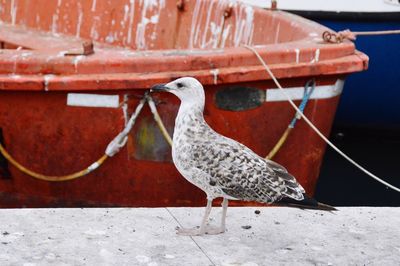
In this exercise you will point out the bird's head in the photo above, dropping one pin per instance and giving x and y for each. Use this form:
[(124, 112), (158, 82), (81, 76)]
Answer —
[(188, 90)]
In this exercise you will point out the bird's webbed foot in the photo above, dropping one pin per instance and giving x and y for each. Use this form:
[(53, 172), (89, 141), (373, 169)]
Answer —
[(197, 231)]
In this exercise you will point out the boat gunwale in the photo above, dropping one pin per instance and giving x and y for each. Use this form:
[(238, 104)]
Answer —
[(118, 68)]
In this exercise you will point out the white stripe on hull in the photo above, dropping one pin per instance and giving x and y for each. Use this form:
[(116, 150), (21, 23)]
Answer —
[(297, 93), (92, 100)]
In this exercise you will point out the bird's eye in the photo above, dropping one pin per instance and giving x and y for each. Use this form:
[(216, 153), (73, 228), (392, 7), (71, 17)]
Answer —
[(179, 85)]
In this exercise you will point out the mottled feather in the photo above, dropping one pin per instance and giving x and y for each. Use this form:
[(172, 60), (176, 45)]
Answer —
[(224, 167)]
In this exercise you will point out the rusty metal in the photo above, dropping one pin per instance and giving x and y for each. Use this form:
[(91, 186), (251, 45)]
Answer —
[(332, 37), (87, 49), (228, 11), (180, 4), (274, 5), (4, 170)]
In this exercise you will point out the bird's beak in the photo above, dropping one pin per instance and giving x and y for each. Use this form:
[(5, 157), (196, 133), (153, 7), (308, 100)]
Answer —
[(159, 87)]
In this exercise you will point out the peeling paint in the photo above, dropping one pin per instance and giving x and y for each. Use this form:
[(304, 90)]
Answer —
[(209, 27), (47, 79), (14, 76), (215, 72), (94, 5), (315, 58), (125, 109), (146, 6), (76, 61), (26, 54), (277, 31), (317, 52), (37, 19), (14, 9), (54, 24), (131, 16), (297, 51), (244, 25), (206, 35), (80, 20), (15, 58), (62, 53), (94, 34)]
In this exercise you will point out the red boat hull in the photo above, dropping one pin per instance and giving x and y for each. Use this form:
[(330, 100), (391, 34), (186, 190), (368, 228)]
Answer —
[(45, 134)]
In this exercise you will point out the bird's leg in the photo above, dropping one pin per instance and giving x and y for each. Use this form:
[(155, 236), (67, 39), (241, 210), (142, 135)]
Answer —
[(214, 230), (205, 218), (198, 230), (204, 228), (225, 203)]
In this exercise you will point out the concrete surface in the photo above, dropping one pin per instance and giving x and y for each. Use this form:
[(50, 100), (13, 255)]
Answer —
[(126, 236)]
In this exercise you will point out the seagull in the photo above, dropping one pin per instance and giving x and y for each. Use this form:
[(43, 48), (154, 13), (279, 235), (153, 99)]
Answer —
[(223, 167)]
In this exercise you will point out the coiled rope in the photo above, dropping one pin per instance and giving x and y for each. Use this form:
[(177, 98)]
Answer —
[(340, 36), (262, 61)]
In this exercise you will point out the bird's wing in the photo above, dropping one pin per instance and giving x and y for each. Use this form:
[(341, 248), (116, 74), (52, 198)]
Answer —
[(242, 174)]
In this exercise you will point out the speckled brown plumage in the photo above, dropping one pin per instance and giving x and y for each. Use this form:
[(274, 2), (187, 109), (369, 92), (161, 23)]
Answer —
[(220, 166)]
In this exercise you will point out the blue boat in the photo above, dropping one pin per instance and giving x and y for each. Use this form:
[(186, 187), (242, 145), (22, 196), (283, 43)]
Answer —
[(371, 99)]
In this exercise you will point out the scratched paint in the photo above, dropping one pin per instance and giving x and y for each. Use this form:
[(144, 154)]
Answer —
[(297, 51), (80, 20), (315, 57), (209, 27), (131, 17), (317, 52), (94, 34), (148, 6), (212, 39), (277, 31), (76, 61), (13, 12), (136, 24), (244, 25), (94, 2), (46, 81), (215, 73)]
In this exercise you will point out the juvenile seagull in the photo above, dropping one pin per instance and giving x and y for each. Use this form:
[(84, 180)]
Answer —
[(222, 167)]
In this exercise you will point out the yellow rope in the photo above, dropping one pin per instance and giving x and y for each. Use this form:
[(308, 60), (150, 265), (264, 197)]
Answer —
[(163, 129), (100, 161), (51, 178), (109, 153), (279, 144), (158, 120), (167, 137)]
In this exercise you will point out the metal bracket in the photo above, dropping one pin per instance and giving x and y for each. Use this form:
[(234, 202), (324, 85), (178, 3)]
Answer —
[(87, 49)]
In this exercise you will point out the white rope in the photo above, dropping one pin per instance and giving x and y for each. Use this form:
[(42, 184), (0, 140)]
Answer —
[(120, 140), (315, 128)]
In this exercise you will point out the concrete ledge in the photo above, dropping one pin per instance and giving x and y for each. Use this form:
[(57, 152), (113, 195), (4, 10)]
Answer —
[(126, 236)]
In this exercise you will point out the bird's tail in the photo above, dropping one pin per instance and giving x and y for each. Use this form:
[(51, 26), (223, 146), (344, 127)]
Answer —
[(306, 203)]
